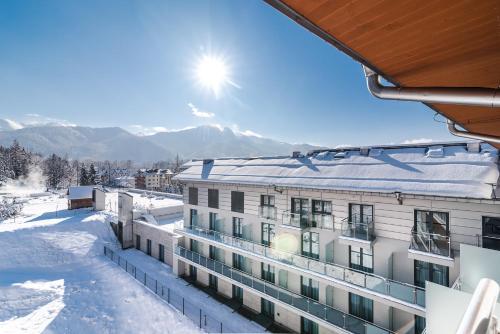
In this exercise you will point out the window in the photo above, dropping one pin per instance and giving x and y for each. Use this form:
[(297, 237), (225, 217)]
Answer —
[(300, 210), (308, 326), (238, 294), (237, 201), (213, 222), (322, 206), (148, 245), (193, 219), (161, 252), (193, 196), (267, 308), (360, 213), (267, 233), (361, 307), (267, 200), (361, 259), (431, 222), (213, 198), (238, 261), (237, 227), (211, 252), (192, 272), (194, 245), (425, 271), (267, 272), (309, 288), (138, 242), (283, 278), (310, 245), (212, 282), (419, 324), (491, 233)]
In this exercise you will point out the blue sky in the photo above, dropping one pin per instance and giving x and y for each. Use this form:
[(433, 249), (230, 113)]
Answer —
[(132, 64)]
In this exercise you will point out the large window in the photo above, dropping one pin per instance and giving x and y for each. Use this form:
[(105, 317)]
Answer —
[(300, 210), (193, 217), (193, 195), (491, 232), (138, 242), (238, 261), (213, 222), (213, 282), (431, 222), (194, 246), (161, 252), (267, 233), (213, 198), (148, 246), (425, 271), (360, 213), (361, 259), (310, 245), (267, 308), (324, 207), (308, 326), (267, 200), (237, 227), (238, 294), (361, 307), (309, 288), (237, 201), (267, 272)]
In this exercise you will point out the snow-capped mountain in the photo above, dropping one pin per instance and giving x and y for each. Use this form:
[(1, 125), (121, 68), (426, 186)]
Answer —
[(118, 144)]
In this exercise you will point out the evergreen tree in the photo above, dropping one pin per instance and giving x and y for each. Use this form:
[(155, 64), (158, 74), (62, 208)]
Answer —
[(84, 178), (19, 160), (57, 170), (92, 175)]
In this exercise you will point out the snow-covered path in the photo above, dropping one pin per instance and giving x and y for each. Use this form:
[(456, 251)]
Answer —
[(55, 279)]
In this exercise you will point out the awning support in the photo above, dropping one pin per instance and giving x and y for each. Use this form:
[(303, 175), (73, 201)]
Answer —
[(471, 135), (482, 97)]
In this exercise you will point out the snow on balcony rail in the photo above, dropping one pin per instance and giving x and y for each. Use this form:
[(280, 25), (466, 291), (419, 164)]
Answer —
[(401, 291), (278, 294)]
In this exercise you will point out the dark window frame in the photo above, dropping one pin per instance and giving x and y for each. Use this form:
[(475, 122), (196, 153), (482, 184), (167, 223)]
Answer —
[(365, 303), (268, 272), (432, 271), (137, 242), (431, 224), (238, 227), (362, 209), (193, 195), (161, 253), (361, 266), (213, 198), (309, 252), (269, 233), (149, 246), (308, 289), (267, 200), (238, 201)]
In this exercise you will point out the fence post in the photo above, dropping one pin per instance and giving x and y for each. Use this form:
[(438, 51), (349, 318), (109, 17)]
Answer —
[(145, 278), (156, 286), (205, 320), (183, 306), (126, 265), (200, 317), (221, 327), (168, 295)]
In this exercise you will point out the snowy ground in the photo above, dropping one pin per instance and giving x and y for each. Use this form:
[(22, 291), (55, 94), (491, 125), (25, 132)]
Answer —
[(54, 278)]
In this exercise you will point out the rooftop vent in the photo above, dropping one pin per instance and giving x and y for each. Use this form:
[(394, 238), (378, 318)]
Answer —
[(296, 154), (435, 152), (474, 147), (364, 151), (208, 161)]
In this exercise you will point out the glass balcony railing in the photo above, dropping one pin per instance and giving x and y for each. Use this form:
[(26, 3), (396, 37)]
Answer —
[(432, 243), (358, 229), (267, 212), (305, 220), (312, 307), (402, 291)]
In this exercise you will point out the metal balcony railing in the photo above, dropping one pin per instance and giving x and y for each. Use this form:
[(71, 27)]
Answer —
[(402, 291), (355, 228), (267, 212), (305, 220), (278, 294), (432, 243)]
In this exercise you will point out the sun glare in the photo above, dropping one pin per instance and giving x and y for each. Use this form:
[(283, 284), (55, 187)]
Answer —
[(212, 73)]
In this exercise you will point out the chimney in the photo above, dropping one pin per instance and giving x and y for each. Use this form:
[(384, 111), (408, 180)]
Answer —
[(364, 151), (474, 147)]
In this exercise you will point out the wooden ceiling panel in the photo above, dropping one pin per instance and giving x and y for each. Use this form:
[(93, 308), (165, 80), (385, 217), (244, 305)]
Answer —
[(433, 43)]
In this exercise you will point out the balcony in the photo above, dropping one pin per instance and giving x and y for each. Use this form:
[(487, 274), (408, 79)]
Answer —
[(430, 247), (342, 277), (267, 212), (357, 232), (312, 309), (307, 220)]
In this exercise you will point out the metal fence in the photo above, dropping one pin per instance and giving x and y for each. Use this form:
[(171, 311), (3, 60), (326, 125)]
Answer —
[(168, 294)]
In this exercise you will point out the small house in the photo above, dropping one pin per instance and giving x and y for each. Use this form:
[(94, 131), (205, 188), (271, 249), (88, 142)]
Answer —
[(80, 197)]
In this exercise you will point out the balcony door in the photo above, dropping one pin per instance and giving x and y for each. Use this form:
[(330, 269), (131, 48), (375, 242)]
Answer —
[(360, 213), (300, 209), (267, 234), (430, 232)]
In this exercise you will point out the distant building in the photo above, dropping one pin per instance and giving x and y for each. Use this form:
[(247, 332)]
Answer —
[(80, 197), (153, 179)]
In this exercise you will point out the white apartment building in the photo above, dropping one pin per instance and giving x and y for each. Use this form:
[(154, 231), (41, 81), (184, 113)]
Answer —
[(338, 241)]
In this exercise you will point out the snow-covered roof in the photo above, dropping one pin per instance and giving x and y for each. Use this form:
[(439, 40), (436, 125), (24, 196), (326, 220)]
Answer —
[(80, 192), (441, 170)]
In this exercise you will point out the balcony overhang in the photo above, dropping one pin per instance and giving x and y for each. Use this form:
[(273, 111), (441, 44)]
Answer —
[(431, 258), (355, 242)]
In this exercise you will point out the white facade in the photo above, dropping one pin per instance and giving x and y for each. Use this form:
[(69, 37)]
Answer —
[(390, 247)]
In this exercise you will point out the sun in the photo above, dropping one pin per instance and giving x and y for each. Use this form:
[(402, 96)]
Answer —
[(212, 73)]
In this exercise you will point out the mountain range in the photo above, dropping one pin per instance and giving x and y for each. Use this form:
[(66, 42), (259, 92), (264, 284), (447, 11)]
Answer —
[(115, 143)]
